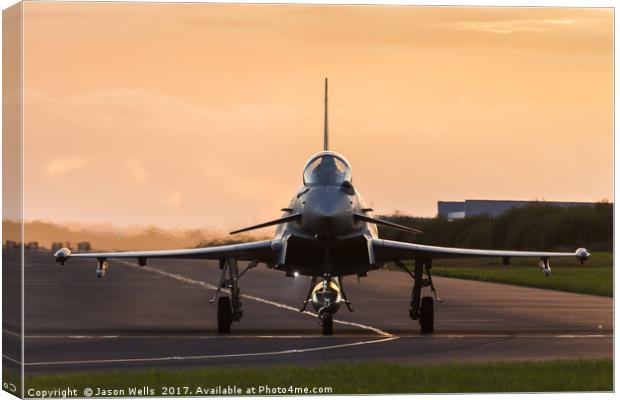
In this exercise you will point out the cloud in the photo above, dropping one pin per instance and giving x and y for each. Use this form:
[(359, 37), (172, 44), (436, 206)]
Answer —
[(150, 154), (60, 166), (511, 26)]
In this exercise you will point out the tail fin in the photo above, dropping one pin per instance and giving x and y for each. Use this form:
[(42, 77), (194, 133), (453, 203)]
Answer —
[(325, 126)]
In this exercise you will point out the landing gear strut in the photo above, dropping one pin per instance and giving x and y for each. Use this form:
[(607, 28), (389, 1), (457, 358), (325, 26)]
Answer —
[(309, 295), (422, 308), (229, 308), (344, 295)]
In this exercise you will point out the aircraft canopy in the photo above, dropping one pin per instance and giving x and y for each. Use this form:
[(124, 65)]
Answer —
[(327, 168)]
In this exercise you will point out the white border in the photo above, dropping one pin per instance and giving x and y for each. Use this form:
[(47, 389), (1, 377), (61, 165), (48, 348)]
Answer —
[(531, 3)]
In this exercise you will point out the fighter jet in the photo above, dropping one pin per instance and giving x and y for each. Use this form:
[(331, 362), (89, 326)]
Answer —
[(326, 232)]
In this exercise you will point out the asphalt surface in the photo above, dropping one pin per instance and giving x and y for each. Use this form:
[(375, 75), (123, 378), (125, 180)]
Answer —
[(160, 316)]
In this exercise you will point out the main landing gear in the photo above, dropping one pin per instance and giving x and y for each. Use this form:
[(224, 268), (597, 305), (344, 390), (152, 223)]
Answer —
[(422, 308), (229, 308)]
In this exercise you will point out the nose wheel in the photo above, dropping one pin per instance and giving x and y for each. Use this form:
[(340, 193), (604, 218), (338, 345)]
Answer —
[(327, 322)]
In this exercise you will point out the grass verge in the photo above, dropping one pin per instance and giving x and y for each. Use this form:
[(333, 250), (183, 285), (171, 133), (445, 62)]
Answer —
[(354, 378), (593, 277), (11, 381)]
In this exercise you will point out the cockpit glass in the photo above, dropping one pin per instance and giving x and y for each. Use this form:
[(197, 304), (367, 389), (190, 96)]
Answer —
[(327, 170)]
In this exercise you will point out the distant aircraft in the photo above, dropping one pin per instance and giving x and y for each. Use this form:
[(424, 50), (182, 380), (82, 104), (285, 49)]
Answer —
[(327, 232)]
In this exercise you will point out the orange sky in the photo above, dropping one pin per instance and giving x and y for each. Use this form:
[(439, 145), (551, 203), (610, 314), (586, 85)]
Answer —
[(195, 115)]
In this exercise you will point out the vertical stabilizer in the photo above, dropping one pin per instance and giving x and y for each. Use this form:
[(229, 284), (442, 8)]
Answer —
[(325, 125)]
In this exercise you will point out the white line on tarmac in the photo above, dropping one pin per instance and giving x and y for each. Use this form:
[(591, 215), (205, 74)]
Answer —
[(192, 337), (210, 356), (507, 335), (473, 320), (417, 336), (11, 359), (583, 336), (8, 332)]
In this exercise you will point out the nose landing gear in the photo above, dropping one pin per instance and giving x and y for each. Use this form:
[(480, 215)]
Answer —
[(326, 298)]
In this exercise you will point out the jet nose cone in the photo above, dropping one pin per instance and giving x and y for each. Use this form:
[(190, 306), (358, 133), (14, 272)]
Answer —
[(327, 212)]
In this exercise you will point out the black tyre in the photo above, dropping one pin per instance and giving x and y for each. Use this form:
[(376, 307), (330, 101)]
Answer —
[(427, 315), (327, 322), (224, 315)]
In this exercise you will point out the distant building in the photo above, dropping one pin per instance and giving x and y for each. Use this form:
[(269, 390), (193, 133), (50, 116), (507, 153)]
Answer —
[(493, 208), (451, 209)]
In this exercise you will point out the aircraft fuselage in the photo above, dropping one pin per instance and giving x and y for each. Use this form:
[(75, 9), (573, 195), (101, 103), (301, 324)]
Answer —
[(327, 240)]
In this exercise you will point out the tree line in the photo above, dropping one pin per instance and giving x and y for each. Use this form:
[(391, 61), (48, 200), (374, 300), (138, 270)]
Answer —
[(537, 226)]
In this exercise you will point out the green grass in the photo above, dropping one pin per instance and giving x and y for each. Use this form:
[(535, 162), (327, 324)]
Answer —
[(12, 380), (593, 277), (357, 378)]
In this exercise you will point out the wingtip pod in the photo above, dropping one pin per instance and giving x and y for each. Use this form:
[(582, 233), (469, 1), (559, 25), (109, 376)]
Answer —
[(582, 255), (62, 255)]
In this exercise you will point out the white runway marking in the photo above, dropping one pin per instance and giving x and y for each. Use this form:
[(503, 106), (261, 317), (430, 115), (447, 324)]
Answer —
[(583, 336), (11, 359), (472, 320), (8, 332), (507, 335), (191, 337), (416, 336), (210, 356)]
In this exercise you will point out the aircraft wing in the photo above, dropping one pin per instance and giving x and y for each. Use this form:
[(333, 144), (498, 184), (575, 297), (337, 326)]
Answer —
[(389, 250), (262, 251)]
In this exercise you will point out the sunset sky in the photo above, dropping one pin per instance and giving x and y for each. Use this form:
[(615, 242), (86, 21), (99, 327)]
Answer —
[(195, 115)]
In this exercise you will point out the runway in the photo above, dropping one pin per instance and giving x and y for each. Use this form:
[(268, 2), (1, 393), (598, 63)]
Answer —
[(160, 316)]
